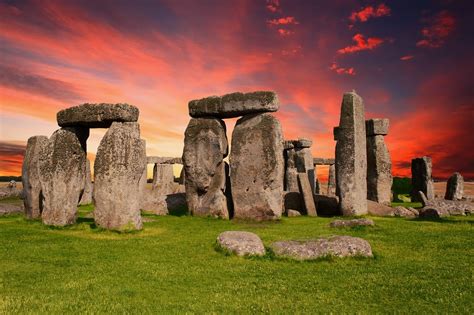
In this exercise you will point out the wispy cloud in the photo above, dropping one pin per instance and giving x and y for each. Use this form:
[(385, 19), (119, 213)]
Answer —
[(341, 70), (283, 21), (361, 44), (407, 57), (437, 29), (368, 12), (273, 5)]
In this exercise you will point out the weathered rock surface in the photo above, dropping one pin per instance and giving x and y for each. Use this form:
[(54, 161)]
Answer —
[(257, 167), (163, 204), (351, 156), (234, 104), (307, 194), (421, 179), (119, 168), (332, 180), (241, 243), (205, 146), (376, 127), (6, 209), (339, 246), (62, 168), (291, 173), (378, 209), (405, 212), (452, 207), (293, 213), (292, 201), (379, 163), (431, 212), (86, 197), (163, 178), (455, 187), (304, 162), (30, 177), (97, 115), (163, 160), (351, 223)]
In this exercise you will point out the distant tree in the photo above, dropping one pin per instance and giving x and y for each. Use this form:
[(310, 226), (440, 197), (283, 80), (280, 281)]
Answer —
[(10, 178)]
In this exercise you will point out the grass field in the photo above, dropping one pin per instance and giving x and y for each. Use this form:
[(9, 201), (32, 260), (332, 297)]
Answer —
[(172, 267)]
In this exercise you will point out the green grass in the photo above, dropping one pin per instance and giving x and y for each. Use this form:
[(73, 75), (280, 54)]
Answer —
[(172, 266)]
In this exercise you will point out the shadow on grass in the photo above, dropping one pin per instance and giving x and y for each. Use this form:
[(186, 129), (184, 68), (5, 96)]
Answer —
[(445, 220)]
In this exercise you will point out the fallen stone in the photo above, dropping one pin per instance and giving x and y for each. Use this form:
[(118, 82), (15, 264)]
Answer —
[(205, 147), (6, 209), (351, 223), (30, 177), (241, 243), (163, 204), (327, 205), (377, 126), (433, 213), (257, 167), (293, 213), (62, 168), (234, 104), (8, 192), (118, 169), (378, 209), (403, 212), (421, 179), (351, 157), (292, 201), (455, 187), (338, 246), (453, 207), (415, 211), (307, 193), (86, 197), (97, 115)]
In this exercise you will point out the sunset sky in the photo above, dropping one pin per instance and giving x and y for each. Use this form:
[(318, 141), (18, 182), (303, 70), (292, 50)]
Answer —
[(411, 61)]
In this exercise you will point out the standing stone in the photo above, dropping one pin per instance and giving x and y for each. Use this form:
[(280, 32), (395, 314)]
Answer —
[(291, 173), (205, 147), (119, 168), (351, 156), (332, 180), (304, 160), (62, 165), (308, 199), (257, 167), (88, 186), (379, 164), (163, 178), (30, 177), (421, 179), (455, 187)]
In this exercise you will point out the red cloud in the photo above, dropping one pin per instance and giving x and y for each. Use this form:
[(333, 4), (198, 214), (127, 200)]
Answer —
[(438, 29), (284, 32), (408, 57), (361, 44), (341, 70), (368, 12), (283, 21), (273, 5)]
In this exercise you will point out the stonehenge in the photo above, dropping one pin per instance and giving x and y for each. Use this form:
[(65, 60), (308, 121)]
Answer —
[(421, 178), (351, 156), (379, 164), (259, 177)]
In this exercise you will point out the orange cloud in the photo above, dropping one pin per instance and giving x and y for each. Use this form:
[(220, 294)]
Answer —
[(283, 21), (341, 70), (369, 12), (408, 57), (361, 44), (284, 32), (438, 29)]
